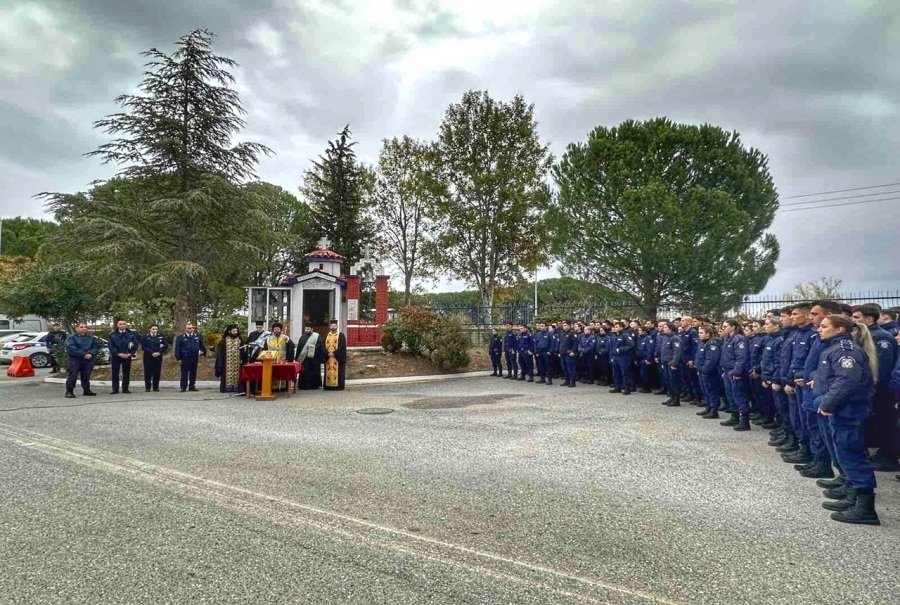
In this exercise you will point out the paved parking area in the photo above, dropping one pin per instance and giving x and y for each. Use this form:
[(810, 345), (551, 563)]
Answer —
[(470, 491)]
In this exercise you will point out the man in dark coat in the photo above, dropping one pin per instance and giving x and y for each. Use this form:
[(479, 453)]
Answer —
[(310, 353)]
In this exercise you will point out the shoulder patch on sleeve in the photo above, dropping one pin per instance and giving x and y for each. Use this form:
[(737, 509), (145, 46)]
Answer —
[(847, 362), (712, 347), (740, 345), (884, 344)]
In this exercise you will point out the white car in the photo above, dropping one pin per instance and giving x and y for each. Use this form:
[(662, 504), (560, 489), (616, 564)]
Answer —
[(28, 344)]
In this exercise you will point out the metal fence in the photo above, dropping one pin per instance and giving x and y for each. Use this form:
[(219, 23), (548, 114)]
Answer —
[(481, 318)]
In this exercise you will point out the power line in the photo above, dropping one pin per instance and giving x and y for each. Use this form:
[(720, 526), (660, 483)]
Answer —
[(794, 197), (887, 199), (843, 197)]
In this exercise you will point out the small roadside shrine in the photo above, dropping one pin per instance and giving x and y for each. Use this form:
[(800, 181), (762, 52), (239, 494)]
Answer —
[(357, 298)]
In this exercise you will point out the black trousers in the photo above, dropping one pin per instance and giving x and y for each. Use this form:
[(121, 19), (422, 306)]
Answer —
[(152, 371), (79, 368), (188, 372), (123, 366)]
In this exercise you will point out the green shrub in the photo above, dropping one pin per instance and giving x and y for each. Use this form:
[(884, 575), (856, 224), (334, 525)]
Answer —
[(389, 340), (409, 327), (448, 343)]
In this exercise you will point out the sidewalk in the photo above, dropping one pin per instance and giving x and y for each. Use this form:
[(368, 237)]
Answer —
[(214, 384)]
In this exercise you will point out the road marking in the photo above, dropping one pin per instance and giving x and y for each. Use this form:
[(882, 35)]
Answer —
[(284, 512)]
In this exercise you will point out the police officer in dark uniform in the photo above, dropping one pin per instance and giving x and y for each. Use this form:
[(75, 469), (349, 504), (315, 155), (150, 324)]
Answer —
[(188, 349), (568, 353), (52, 340), (82, 349), (542, 344), (881, 426), (706, 361), (511, 350), (495, 349), (153, 345), (671, 358), (555, 370), (123, 346), (842, 391), (622, 351), (526, 354), (888, 322)]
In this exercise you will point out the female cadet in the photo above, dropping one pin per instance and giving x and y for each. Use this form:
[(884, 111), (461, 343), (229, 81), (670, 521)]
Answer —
[(763, 405), (706, 360), (769, 372), (644, 344), (735, 365), (843, 387)]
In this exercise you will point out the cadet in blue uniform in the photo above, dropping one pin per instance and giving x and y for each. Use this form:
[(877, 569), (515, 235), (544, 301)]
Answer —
[(495, 350), (53, 338), (542, 342), (881, 426), (672, 359), (622, 351), (511, 351), (555, 370), (800, 345), (154, 345), (764, 408), (661, 338), (843, 386), (526, 352), (590, 355), (602, 356), (689, 341), (643, 352), (188, 349), (568, 352), (769, 371), (888, 322), (82, 350), (123, 346), (706, 360), (653, 369), (735, 362), (793, 432)]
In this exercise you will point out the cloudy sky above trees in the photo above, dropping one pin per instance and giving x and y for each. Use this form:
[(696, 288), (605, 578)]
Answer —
[(814, 85)]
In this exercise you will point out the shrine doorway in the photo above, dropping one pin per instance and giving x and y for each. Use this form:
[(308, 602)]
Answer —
[(318, 307)]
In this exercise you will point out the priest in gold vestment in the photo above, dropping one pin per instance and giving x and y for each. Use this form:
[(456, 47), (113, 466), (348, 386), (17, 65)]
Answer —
[(336, 360)]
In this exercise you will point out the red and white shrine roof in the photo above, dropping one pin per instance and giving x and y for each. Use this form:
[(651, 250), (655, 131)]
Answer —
[(321, 253)]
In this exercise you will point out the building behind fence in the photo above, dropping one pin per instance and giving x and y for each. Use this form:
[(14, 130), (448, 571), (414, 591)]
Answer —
[(482, 320)]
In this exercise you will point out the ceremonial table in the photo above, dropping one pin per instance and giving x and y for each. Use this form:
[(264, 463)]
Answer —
[(253, 372)]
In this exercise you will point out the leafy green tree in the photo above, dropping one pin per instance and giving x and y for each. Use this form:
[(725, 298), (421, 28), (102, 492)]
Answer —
[(399, 199), (825, 288), (489, 193), (666, 213), (281, 244), (22, 236), (177, 219), (57, 292), (335, 188)]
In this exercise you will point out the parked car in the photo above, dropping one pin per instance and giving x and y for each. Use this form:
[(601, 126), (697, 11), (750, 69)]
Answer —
[(5, 333), (28, 344)]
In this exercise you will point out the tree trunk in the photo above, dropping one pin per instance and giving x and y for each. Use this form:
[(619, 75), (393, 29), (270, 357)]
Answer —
[(407, 292), (181, 311)]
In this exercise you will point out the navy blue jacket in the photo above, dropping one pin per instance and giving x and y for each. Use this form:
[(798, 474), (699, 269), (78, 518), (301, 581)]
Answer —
[(554, 341), (771, 356), (757, 344), (510, 342), (623, 344), (652, 339), (526, 344), (707, 357), (542, 341), (496, 345), (812, 358), (567, 343), (603, 346), (672, 351), (189, 345), (79, 346), (689, 340), (886, 347), (784, 360), (843, 382), (154, 344), (895, 378), (123, 342), (735, 355), (660, 345), (891, 328), (800, 350), (643, 347)]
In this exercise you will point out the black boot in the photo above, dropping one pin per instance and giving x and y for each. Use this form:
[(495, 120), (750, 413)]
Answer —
[(778, 439), (89, 393), (837, 493), (669, 400), (733, 421), (803, 467), (494, 374), (743, 422), (530, 378), (711, 415), (830, 483), (885, 464), (659, 392), (516, 376), (571, 385), (70, 395), (801, 456), (626, 392), (549, 380), (615, 390), (703, 412), (645, 390), (848, 502), (863, 511), (676, 403), (820, 470), (565, 383), (791, 445), (688, 398), (542, 380)]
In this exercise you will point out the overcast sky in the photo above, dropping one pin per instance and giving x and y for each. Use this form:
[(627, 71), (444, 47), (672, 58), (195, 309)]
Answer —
[(814, 85)]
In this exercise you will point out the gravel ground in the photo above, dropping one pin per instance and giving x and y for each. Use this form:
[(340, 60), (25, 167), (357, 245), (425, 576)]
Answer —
[(470, 491)]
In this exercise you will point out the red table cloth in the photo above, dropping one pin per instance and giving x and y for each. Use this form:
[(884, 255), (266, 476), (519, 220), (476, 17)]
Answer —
[(252, 372)]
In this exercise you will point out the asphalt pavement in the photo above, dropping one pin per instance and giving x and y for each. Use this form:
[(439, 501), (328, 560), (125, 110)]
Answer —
[(468, 491)]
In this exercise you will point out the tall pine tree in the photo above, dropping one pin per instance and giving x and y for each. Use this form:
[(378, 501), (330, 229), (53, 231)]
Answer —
[(177, 221), (334, 188)]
